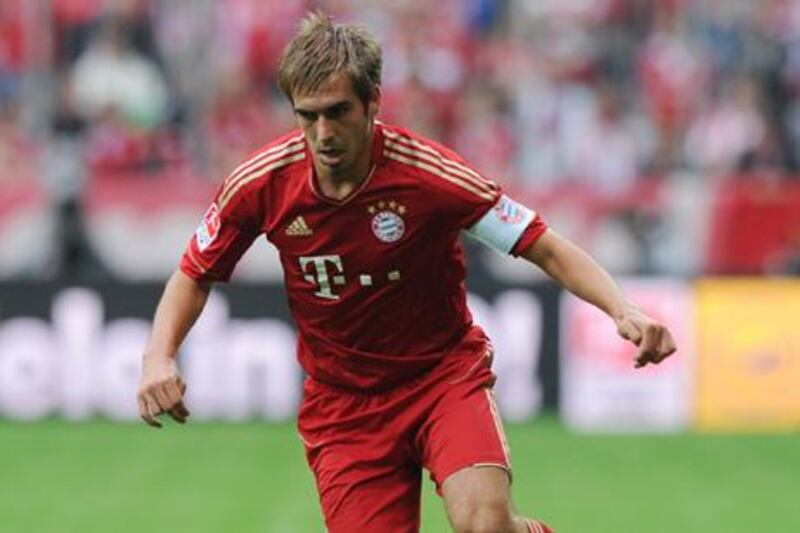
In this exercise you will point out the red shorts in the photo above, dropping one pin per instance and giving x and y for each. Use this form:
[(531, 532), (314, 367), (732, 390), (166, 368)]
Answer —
[(367, 451)]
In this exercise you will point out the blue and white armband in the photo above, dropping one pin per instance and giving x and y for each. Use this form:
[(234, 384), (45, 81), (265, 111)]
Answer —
[(503, 225)]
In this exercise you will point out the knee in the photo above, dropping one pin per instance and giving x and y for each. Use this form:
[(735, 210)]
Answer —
[(484, 517)]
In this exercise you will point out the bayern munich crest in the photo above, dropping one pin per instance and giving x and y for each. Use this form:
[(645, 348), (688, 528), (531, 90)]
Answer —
[(508, 211), (387, 221)]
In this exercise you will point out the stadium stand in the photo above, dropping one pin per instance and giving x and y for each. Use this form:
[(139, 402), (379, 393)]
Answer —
[(649, 132)]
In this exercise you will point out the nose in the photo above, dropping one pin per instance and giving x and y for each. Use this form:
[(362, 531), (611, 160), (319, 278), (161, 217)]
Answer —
[(324, 129)]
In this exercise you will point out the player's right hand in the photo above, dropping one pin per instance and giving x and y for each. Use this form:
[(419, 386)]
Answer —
[(161, 391)]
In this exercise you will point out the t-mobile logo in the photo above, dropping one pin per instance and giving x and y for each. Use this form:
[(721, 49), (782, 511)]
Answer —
[(320, 276)]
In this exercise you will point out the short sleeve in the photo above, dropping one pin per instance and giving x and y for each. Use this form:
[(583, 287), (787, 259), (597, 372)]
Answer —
[(223, 236), (464, 194)]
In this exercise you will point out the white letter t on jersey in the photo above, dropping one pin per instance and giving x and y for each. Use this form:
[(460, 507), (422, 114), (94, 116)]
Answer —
[(321, 278)]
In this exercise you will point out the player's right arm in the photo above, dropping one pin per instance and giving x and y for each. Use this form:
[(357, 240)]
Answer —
[(230, 225), (161, 387)]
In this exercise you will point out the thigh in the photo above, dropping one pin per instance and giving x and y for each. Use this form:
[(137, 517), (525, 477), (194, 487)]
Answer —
[(463, 430), (362, 457), (360, 495)]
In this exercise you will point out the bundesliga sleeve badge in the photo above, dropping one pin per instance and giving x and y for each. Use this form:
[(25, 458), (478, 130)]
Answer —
[(387, 221), (209, 228)]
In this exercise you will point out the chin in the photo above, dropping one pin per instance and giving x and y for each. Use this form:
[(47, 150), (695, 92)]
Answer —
[(339, 169)]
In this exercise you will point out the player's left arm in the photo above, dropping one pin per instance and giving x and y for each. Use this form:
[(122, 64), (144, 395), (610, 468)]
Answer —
[(577, 272)]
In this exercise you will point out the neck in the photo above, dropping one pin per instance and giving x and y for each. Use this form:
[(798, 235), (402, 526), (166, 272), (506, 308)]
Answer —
[(339, 188)]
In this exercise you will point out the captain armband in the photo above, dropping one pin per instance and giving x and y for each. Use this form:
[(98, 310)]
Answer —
[(503, 225)]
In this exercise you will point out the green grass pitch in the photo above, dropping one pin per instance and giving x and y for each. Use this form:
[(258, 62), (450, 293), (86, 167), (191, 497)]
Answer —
[(58, 477)]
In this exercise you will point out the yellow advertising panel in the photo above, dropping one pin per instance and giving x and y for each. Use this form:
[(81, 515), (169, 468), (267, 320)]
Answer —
[(748, 360)]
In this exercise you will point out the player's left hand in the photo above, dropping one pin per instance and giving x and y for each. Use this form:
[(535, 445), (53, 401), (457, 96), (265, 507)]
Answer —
[(653, 338)]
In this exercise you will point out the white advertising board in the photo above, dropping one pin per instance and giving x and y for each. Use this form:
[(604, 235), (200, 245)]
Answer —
[(601, 391)]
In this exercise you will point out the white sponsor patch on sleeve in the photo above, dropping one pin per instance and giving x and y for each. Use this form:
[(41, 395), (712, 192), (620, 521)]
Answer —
[(503, 225), (209, 228)]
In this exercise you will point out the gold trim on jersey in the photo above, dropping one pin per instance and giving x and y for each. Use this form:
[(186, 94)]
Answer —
[(193, 259), (228, 193), (259, 158), (498, 424), (448, 163), (502, 467), (441, 163), (299, 228), (257, 163), (438, 172)]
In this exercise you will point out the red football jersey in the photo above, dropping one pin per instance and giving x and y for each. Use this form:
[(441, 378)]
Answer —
[(375, 281)]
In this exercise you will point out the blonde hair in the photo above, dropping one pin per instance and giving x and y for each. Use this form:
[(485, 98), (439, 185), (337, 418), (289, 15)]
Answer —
[(321, 48)]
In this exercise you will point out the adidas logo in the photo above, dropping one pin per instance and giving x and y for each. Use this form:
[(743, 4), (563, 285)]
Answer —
[(299, 228)]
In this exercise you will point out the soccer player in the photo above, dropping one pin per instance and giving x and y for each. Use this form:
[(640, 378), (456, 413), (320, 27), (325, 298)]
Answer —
[(366, 217)]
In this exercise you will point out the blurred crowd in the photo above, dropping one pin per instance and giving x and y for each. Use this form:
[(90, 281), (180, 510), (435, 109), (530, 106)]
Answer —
[(596, 99)]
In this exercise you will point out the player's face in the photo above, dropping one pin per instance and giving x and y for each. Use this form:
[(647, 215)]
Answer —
[(338, 128)]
